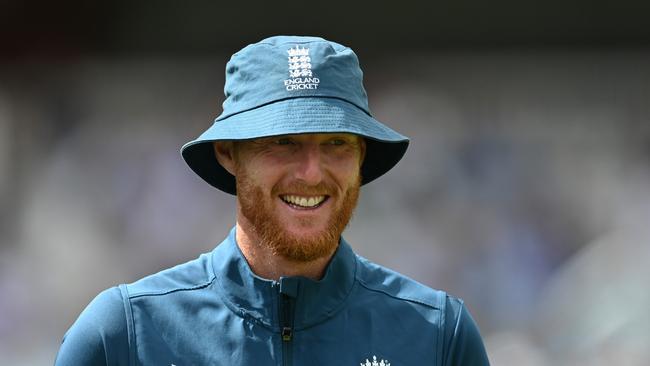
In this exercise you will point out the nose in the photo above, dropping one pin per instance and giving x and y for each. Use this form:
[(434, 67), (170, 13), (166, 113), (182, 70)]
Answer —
[(309, 164)]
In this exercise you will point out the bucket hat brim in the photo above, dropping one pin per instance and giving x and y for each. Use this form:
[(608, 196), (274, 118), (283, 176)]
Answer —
[(384, 147)]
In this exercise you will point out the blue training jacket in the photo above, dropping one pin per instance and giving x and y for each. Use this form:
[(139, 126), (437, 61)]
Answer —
[(214, 311)]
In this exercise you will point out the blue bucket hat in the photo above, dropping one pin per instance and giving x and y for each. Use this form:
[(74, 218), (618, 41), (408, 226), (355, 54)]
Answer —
[(291, 85)]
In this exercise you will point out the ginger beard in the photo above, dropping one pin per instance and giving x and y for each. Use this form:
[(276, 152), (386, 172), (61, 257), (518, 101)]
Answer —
[(256, 208)]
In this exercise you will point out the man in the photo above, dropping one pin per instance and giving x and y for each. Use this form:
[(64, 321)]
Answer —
[(294, 142)]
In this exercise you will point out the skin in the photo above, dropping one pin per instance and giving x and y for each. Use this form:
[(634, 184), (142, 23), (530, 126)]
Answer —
[(279, 238)]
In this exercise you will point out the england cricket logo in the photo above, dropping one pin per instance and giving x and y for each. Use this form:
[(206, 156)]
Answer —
[(300, 73)]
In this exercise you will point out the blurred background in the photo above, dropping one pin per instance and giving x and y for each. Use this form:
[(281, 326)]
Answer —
[(526, 189)]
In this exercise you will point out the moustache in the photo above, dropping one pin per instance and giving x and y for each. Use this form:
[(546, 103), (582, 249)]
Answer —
[(320, 189)]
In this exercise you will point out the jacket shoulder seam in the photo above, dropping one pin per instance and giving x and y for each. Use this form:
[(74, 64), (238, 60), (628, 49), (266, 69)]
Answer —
[(209, 279), (399, 297), (130, 327), (172, 290)]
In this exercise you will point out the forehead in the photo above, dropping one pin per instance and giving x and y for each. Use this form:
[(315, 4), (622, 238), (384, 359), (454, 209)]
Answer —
[(268, 144), (315, 136)]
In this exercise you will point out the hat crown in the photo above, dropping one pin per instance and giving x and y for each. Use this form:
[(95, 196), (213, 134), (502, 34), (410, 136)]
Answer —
[(284, 67), (287, 85)]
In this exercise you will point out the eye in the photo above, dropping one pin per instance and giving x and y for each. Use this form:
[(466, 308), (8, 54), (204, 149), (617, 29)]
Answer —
[(283, 141), (337, 142)]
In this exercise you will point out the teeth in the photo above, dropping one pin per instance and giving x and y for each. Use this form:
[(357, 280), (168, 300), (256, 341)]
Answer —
[(304, 201)]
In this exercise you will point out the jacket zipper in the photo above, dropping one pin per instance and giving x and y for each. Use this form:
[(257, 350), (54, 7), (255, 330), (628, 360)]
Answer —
[(286, 327)]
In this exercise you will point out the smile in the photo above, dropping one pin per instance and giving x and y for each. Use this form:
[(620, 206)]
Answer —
[(303, 201)]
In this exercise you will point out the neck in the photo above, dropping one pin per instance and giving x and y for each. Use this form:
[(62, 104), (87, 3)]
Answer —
[(266, 264)]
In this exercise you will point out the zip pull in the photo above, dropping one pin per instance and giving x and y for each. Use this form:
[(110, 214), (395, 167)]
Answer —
[(286, 317), (287, 293), (287, 332)]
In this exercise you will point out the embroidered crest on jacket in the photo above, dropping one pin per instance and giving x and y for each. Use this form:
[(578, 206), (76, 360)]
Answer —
[(375, 362)]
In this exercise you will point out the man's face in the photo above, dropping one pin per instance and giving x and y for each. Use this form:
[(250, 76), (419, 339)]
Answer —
[(297, 192)]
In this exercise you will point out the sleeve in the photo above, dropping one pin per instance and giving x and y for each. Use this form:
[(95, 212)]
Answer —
[(463, 343), (99, 336)]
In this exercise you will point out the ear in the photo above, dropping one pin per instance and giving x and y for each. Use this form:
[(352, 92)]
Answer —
[(225, 153)]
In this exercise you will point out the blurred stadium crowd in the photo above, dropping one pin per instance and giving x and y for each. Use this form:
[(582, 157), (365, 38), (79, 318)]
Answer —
[(526, 191)]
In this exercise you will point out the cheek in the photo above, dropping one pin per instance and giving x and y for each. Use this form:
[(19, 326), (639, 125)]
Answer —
[(254, 166), (268, 180), (347, 172)]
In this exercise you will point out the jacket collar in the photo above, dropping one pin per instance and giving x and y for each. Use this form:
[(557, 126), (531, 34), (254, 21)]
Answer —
[(252, 296)]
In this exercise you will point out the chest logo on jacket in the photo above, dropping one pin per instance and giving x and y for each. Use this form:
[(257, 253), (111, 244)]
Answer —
[(375, 362)]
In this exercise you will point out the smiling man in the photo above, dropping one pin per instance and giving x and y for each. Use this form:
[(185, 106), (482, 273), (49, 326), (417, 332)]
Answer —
[(296, 195), (294, 143)]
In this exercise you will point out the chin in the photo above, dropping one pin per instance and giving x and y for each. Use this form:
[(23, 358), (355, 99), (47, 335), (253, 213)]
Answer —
[(304, 246), (305, 233)]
